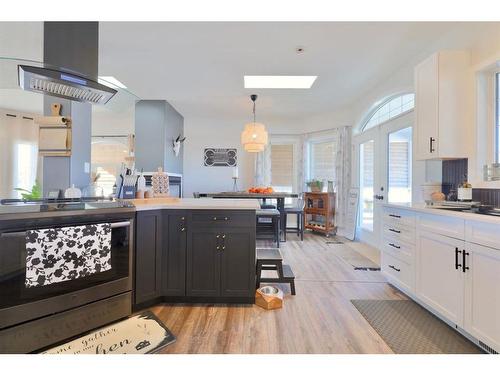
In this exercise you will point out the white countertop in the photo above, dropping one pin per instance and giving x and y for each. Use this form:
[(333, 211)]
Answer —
[(422, 207), (195, 204)]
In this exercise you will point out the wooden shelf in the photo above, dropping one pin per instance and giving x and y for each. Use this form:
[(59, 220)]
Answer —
[(319, 212)]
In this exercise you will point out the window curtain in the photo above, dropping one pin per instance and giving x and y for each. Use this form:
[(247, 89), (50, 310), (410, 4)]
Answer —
[(263, 167), (343, 174)]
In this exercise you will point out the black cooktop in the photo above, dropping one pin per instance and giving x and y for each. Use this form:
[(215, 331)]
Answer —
[(14, 206)]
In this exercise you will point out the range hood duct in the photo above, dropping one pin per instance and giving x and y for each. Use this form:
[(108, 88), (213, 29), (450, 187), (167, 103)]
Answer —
[(63, 85)]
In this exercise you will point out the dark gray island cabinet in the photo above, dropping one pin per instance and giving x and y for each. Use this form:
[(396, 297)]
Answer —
[(195, 256)]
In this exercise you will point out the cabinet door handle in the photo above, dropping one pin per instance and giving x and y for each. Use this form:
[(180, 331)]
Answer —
[(457, 265), (394, 268), (183, 229), (394, 230), (464, 262), (226, 218), (396, 216), (215, 218), (395, 246), (431, 144)]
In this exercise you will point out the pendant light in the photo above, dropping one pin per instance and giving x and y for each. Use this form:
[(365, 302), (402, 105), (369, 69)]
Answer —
[(254, 136)]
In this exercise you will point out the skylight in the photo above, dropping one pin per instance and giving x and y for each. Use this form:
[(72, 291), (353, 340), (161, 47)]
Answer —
[(111, 81), (279, 82)]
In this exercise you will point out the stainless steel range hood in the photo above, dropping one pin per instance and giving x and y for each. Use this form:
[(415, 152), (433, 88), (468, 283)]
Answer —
[(63, 85)]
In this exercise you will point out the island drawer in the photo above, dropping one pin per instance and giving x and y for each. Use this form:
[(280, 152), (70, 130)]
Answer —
[(224, 218)]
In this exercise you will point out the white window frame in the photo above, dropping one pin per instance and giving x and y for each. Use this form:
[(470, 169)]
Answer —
[(379, 105), (309, 147)]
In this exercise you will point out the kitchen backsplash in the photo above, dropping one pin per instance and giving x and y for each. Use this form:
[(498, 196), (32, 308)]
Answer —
[(453, 174)]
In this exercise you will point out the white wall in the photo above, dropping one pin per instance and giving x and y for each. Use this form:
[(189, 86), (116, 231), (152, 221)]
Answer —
[(201, 133)]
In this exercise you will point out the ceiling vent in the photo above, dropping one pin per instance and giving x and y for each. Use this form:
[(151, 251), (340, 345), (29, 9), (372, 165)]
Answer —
[(63, 85)]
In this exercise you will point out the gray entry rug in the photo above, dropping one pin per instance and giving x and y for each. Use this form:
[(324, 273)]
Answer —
[(142, 333), (410, 329), (355, 259)]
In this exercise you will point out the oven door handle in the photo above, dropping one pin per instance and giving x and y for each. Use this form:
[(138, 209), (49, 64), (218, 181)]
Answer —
[(120, 224)]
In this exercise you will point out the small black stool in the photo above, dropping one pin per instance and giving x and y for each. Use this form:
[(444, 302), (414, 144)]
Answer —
[(271, 260)]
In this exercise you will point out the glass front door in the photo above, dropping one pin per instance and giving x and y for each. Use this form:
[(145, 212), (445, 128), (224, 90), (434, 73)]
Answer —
[(384, 159), (366, 180)]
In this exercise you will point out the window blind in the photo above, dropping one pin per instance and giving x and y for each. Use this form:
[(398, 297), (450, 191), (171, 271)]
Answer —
[(282, 165), (323, 161)]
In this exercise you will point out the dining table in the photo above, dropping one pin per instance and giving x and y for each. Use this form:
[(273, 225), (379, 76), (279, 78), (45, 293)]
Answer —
[(278, 196)]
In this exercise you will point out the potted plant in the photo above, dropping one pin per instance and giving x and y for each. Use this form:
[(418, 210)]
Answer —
[(316, 186), (34, 193)]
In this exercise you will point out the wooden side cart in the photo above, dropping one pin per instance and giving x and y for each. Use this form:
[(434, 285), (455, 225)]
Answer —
[(319, 212)]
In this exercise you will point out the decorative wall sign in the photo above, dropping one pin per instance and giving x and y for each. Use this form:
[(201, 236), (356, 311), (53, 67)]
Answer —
[(142, 333), (220, 157)]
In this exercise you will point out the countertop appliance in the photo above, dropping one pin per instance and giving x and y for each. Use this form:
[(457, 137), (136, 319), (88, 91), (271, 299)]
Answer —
[(63, 84), (32, 318)]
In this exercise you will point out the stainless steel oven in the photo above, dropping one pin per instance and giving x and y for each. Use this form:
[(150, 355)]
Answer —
[(22, 302)]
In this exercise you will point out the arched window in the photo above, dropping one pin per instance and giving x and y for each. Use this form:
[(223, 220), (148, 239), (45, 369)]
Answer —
[(391, 108)]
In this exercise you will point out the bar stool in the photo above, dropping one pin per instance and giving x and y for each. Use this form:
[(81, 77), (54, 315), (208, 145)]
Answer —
[(268, 227), (298, 210)]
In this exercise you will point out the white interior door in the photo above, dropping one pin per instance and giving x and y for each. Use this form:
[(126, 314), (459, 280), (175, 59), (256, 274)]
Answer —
[(384, 164)]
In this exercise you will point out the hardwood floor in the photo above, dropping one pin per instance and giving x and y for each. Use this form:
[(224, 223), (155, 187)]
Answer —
[(319, 319)]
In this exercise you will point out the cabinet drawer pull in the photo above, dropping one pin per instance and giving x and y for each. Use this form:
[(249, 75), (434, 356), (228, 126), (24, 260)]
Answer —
[(394, 230), (396, 216), (394, 268), (395, 246), (183, 229), (457, 265), (215, 218), (223, 236), (218, 247), (223, 247), (183, 218), (226, 218), (431, 144)]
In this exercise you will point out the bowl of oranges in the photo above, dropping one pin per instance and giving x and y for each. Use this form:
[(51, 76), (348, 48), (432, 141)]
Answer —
[(261, 190)]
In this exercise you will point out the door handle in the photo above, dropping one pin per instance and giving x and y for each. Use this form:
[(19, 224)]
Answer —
[(464, 262), (431, 144), (457, 265)]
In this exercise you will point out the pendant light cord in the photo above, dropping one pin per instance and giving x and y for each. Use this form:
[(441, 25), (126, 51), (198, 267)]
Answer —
[(254, 113)]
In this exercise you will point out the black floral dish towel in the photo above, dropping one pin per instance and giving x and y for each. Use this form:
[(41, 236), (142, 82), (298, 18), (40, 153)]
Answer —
[(69, 253)]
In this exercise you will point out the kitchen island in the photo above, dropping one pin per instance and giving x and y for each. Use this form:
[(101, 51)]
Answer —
[(194, 251)]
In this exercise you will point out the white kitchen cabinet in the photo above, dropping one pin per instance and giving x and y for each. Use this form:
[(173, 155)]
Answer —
[(439, 277), (482, 295), (443, 106)]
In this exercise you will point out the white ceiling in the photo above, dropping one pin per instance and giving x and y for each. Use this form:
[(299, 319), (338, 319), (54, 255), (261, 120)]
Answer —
[(199, 67)]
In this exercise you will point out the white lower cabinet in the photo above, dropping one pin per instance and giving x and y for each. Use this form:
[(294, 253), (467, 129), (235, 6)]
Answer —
[(439, 277), (452, 268), (482, 294)]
